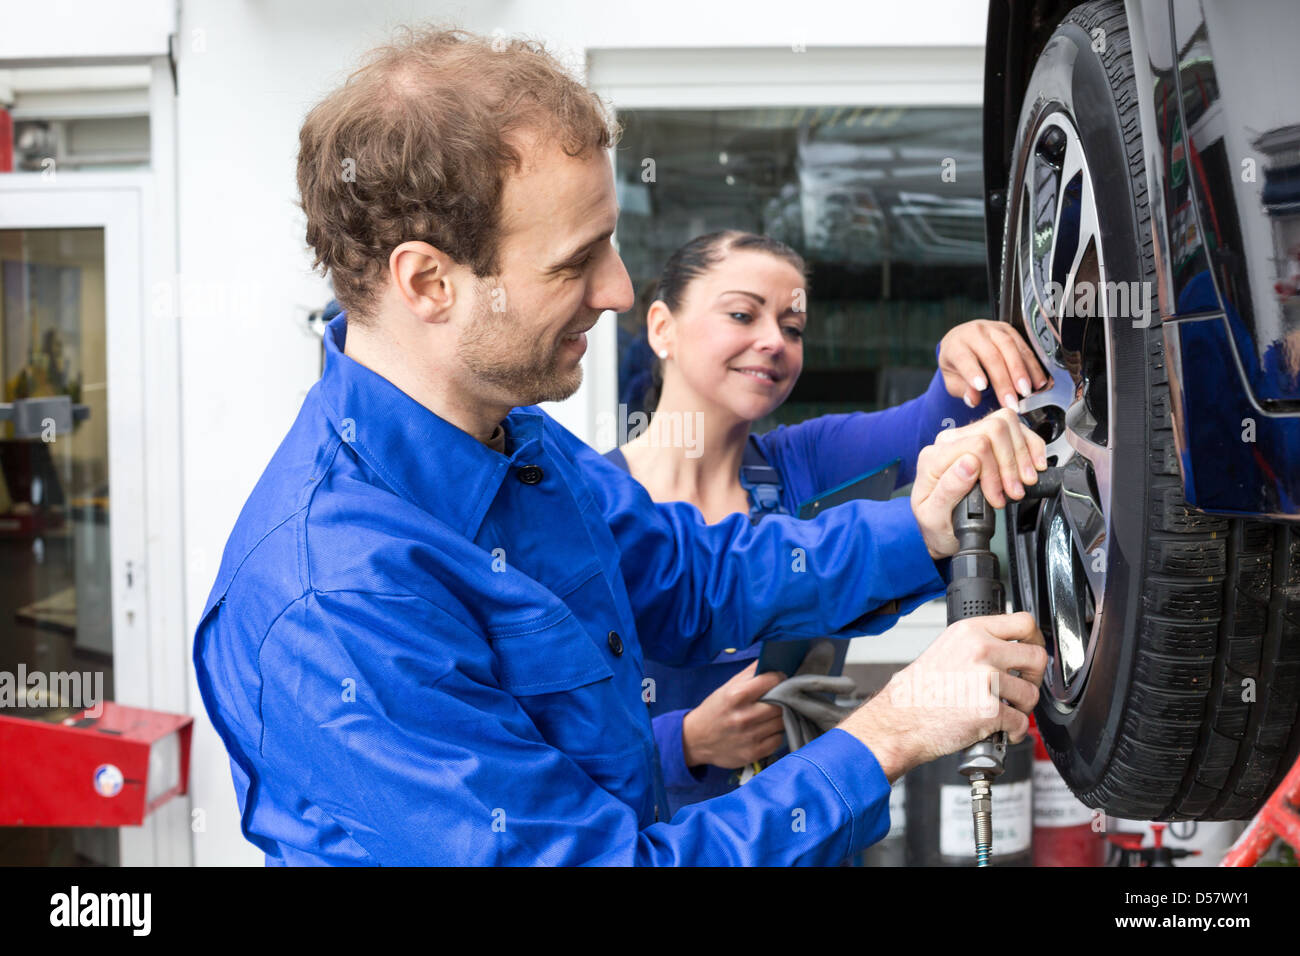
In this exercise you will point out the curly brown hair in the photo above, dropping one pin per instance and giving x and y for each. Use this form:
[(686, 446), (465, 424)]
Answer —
[(417, 144)]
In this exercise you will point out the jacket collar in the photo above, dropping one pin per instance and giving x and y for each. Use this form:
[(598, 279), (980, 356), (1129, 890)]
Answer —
[(424, 458)]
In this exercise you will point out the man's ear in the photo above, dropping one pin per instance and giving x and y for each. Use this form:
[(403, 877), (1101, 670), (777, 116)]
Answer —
[(426, 278), (659, 326)]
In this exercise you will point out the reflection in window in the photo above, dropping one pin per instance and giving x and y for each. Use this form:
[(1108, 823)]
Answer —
[(884, 204)]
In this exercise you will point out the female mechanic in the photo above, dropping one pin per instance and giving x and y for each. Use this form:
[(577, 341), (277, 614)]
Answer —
[(727, 326)]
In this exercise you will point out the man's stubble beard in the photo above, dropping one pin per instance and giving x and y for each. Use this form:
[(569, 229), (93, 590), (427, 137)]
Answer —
[(495, 350)]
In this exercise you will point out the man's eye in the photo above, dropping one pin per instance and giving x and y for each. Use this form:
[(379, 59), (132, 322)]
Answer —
[(575, 267)]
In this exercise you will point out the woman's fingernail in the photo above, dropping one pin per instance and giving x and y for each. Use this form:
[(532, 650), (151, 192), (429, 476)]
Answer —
[(1009, 400), (980, 384), (1023, 385), (966, 398)]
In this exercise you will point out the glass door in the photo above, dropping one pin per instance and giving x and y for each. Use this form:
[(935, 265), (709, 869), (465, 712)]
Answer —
[(71, 475)]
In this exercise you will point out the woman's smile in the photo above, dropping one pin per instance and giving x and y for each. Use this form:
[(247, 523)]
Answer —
[(758, 373)]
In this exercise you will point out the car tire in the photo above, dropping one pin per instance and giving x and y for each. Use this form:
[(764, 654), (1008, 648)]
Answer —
[(1174, 636)]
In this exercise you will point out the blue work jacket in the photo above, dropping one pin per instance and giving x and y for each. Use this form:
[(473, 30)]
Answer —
[(812, 458), (421, 651)]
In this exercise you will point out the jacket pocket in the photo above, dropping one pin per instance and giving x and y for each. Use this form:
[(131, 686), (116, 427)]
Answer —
[(561, 679), (547, 657)]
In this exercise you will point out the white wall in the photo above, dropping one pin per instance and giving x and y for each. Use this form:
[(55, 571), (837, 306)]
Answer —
[(248, 72), (66, 31)]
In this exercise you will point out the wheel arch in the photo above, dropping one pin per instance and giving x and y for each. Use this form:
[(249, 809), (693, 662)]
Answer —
[(1017, 32)]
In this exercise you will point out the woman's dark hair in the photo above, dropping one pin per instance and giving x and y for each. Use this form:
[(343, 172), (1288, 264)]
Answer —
[(696, 258)]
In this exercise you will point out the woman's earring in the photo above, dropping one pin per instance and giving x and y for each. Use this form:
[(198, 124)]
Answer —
[(663, 353)]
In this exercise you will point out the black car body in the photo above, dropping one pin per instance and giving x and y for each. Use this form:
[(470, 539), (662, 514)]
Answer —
[(1222, 132)]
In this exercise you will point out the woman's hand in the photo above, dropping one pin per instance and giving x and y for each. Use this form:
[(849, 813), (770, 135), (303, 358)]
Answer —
[(731, 728), (982, 352)]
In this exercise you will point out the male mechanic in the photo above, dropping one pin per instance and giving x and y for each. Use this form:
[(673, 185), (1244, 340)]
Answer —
[(426, 638)]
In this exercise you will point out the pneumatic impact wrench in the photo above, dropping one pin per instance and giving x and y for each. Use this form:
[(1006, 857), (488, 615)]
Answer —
[(975, 590)]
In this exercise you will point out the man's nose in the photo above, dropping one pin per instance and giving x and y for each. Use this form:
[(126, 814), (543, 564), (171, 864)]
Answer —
[(611, 286)]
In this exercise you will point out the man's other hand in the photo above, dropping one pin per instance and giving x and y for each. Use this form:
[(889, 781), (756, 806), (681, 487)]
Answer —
[(999, 451), (958, 691)]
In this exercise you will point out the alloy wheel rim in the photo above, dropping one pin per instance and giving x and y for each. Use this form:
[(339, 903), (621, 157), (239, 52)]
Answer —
[(1061, 542)]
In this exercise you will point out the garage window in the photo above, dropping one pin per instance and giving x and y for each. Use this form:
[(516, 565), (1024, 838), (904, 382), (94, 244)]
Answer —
[(883, 202)]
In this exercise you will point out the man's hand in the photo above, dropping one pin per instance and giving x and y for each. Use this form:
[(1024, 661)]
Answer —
[(731, 728), (982, 352), (998, 450), (953, 694)]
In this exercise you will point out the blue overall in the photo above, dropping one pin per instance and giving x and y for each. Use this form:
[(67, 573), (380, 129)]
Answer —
[(419, 650), (810, 458)]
